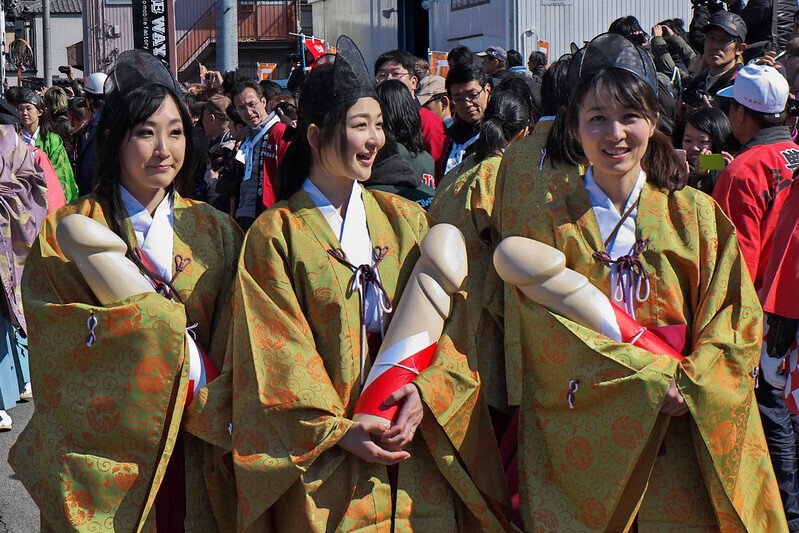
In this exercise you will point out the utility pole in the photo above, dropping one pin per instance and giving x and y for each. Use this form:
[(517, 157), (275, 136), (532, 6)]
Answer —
[(48, 73), (227, 35)]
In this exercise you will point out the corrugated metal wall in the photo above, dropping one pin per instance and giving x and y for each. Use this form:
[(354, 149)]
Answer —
[(561, 25), (496, 23)]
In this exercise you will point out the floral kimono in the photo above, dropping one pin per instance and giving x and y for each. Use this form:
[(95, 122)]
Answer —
[(113, 380), (295, 371)]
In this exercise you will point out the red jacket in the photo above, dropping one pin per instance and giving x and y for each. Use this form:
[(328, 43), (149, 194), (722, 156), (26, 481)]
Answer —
[(275, 149), (751, 191), (434, 136), (780, 291)]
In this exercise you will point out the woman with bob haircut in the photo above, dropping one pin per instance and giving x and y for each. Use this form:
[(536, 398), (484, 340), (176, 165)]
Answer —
[(296, 362), (106, 448), (612, 436), (705, 131)]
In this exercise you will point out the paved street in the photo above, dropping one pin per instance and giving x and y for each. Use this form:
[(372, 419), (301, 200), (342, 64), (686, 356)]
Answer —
[(18, 513)]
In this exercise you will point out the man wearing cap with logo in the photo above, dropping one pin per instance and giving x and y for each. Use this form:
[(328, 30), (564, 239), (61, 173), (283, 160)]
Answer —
[(725, 34), (752, 191), (432, 95), (495, 63)]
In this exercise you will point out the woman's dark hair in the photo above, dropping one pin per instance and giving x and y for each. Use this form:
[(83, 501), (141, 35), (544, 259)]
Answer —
[(711, 121), (231, 78), (464, 73), (114, 129), (270, 89), (234, 116), (506, 115), (296, 163), (400, 115), (460, 55), (561, 147), (555, 90), (630, 28), (514, 58), (660, 162)]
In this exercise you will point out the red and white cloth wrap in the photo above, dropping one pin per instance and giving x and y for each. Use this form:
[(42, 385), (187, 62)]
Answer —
[(394, 368), (201, 368), (621, 327), (782, 372)]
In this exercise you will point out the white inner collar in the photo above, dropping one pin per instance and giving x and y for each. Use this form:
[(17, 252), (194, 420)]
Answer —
[(608, 217), (155, 234), (351, 231)]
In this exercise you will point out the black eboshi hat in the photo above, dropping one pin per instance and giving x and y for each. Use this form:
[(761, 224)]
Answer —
[(134, 69), (610, 50), (334, 80)]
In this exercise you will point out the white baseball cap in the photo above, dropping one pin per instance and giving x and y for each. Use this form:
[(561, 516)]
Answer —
[(759, 88)]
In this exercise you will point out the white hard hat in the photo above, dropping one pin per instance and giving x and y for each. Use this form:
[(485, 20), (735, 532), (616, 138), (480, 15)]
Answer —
[(95, 83)]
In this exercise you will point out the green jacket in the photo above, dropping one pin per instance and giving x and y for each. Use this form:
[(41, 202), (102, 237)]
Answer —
[(53, 146)]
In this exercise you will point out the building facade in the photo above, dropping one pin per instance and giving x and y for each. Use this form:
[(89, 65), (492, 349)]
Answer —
[(264, 28), (66, 29), (416, 25)]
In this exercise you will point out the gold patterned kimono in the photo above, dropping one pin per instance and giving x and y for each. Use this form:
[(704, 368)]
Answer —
[(293, 369), (465, 199), (524, 169), (107, 416), (613, 456)]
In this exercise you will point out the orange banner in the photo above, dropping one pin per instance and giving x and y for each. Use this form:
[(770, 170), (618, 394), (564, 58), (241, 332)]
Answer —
[(266, 70), (438, 63)]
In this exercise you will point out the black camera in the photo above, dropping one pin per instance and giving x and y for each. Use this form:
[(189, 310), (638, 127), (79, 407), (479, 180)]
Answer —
[(792, 107), (695, 97), (64, 69)]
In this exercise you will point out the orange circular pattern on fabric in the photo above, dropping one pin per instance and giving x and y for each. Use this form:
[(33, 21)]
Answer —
[(434, 489), (593, 513), (151, 375), (680, 504), (545, 520), (103, 414), (723, 438), (627, 432), (79, 507), (51, 389), (580, 453), (124, 476), (556, 348)]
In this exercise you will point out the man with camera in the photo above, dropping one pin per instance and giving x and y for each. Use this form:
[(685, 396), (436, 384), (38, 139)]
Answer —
[(725, 34), (752, 191)]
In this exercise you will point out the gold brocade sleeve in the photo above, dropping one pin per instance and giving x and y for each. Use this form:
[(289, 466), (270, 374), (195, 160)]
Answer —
[(718, 377), (286, 411), (96, 449)]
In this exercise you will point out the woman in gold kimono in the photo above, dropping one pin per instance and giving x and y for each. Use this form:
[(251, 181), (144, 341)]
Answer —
[(611, 435), (321, 265), (465, 199), (105, 449)]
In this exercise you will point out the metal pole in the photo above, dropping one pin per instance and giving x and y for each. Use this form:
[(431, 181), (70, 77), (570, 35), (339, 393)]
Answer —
[(227, 35), (48, 74)]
